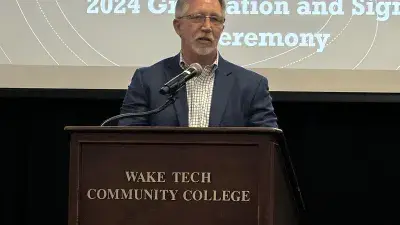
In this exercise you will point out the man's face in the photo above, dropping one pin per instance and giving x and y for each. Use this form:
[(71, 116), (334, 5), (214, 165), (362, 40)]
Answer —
[(200, 35)]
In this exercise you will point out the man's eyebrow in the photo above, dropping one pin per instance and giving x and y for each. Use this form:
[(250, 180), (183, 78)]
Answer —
[(216, 14), (203, 13)]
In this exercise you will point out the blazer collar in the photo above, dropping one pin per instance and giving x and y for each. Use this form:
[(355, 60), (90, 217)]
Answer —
[(223, 83), (181, 105)]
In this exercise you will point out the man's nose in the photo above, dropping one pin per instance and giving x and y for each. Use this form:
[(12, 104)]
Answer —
[(206, 25)]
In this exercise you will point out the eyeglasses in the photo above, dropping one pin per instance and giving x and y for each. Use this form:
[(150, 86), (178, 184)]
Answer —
[(199, 18)]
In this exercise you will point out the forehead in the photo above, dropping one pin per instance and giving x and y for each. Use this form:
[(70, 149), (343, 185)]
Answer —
[(204, 6)]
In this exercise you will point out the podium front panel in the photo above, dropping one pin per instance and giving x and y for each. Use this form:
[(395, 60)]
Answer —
[(171, 179)]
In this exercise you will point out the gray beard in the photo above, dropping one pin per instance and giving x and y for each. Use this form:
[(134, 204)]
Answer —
[(203, 50)]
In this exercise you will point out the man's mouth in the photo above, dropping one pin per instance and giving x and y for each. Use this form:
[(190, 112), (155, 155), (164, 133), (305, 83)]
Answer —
[(204, 39)]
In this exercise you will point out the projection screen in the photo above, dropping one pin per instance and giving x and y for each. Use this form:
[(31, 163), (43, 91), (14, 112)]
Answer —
[(302, 46)]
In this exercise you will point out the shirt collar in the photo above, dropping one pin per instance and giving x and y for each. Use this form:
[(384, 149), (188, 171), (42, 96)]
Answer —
[(212, 67)]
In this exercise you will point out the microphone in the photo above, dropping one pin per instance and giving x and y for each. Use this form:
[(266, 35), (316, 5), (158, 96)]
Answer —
[(180, 80)]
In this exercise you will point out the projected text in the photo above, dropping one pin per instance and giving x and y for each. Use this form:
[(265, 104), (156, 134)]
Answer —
[(382, 10)]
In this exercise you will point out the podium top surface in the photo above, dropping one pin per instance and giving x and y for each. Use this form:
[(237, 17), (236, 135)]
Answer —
[(123, 129)]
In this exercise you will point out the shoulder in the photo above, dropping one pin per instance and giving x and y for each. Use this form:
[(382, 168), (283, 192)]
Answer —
[(153, 74), (246, 75), (158, 66)]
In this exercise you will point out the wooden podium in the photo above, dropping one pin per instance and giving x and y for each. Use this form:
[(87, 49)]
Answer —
[(179, 176)]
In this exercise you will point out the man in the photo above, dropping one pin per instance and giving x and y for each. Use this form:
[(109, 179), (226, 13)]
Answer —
[(224, 95)]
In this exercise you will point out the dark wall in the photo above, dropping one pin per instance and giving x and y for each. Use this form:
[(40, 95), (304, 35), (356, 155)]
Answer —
[(345, 155)]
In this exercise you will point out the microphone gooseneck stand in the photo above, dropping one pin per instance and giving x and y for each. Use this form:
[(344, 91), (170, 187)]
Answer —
[(171, 99)]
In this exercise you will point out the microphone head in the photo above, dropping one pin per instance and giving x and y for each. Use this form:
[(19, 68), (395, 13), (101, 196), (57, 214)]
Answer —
[(196, 68)]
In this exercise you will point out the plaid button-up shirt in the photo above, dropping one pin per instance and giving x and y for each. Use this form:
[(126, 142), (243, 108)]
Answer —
[(199, 94)]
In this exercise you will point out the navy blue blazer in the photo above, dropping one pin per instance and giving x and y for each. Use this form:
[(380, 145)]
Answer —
[(240, 97)]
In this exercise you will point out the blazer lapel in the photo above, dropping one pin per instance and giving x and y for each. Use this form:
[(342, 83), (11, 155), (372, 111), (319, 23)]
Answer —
[(223, 84), (181, 104)]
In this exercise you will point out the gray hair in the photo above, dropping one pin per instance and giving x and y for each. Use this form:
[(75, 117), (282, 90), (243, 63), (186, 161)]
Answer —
[(182, 6)]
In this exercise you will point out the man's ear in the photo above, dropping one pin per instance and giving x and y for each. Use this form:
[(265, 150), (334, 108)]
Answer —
[(177, 26)]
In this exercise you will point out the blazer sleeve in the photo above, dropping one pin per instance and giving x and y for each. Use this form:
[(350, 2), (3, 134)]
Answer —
[(135, 100), (262, 112)]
